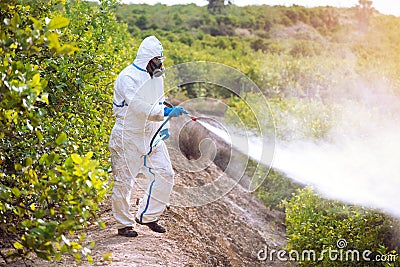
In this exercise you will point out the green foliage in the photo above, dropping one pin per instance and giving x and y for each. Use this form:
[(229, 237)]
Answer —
[(314, 223), (309, 57), (305, 49), (239, 107), (275, 189), (58, 64), (218, 18), (302, 118)]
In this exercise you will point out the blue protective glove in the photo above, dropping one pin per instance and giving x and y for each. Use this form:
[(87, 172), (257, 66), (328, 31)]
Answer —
[(175, 111), (166, 133)]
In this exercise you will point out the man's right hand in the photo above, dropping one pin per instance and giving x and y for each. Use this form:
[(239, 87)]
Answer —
[(175, 111)]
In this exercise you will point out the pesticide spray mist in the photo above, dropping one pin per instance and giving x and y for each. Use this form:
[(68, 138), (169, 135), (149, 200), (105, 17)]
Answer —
[(358, 162)]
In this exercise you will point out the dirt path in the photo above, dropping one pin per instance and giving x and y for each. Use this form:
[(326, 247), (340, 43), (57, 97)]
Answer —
[(227, 232)]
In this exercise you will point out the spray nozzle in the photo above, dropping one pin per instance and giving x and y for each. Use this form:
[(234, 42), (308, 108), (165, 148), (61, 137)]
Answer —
[(192, 117)]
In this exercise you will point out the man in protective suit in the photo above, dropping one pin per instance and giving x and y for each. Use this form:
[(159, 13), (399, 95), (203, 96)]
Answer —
[(138, 105)]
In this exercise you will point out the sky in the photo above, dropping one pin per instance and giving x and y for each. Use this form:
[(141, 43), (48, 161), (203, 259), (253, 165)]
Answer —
[(390, 7)]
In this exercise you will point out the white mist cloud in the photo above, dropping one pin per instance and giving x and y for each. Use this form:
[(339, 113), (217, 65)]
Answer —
[(360, 164), (362, 171)]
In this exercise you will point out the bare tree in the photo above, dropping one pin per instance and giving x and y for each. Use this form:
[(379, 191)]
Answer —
[(364, 12), (216, 6)]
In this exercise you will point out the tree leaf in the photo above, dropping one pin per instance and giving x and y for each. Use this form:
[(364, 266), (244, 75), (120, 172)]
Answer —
[(76, 158), (61, 138), (57, 23), (16, 192), (89, 155), (90, 259), (18, 245), (53, 41), (102, 225), (39, 135)]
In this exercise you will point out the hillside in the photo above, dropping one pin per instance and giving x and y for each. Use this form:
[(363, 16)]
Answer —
[(325, 75), (254, 21), (284, 50)]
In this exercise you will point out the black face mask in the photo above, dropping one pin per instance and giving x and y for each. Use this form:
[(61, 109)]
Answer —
[(155, 68)]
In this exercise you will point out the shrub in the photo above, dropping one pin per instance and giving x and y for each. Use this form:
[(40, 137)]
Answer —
[(276, 188), (314, 223), (58, 64)]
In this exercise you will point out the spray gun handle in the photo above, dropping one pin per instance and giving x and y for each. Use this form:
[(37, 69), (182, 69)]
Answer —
[(167, 104)]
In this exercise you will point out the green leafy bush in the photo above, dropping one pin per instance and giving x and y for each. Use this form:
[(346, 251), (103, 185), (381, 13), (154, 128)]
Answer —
[(276, 188), (58, 65), (314, 223)]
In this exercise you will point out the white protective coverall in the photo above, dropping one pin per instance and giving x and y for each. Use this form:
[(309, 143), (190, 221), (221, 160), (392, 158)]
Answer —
[(139, 111)]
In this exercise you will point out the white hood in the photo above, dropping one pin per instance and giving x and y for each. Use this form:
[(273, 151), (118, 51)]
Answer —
[(149, 48)]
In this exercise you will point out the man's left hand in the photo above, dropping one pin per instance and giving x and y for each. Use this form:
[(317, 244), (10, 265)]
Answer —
[(164, 133)]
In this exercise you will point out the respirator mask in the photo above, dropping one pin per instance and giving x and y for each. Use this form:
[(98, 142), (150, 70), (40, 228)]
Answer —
[(155, 67)]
